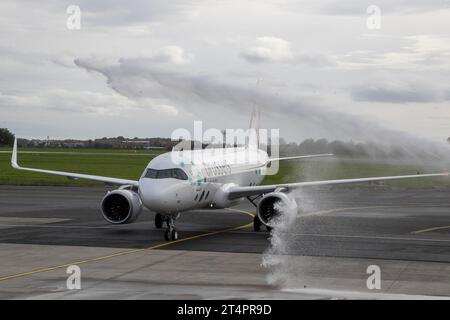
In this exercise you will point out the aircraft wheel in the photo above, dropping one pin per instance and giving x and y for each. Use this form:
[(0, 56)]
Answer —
[(159, 221), (167, 235), (174, 235), (257, 223)]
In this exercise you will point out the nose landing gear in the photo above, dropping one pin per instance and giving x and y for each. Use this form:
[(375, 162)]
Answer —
[(258, 224), (171, 233)]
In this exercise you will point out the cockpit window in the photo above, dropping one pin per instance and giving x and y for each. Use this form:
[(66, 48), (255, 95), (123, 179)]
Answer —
[(175, 173), (151, 173)]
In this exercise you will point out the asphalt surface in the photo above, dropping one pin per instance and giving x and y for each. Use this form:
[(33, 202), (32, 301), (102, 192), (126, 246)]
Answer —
[(325, 250), (407, 225)]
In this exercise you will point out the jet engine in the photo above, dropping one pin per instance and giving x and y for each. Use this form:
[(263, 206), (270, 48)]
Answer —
[(121, 206), (273, 206)]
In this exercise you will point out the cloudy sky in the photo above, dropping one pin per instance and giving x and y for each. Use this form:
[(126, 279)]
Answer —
[(146, 67)]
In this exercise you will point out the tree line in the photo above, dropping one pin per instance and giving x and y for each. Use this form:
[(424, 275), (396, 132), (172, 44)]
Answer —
[(6, 137), (308, 146)]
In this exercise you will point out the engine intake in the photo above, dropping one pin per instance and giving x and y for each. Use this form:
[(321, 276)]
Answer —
[(121, 206), (272, 207)]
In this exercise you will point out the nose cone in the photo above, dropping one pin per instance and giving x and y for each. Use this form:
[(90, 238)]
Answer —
[(162, 195)]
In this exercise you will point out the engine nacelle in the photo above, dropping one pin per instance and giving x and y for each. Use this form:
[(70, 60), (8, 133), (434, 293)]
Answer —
[(221, 197), (273, 205), (121, 206)]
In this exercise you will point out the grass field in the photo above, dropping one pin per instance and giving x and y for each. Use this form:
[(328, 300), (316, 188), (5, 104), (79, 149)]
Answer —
[(129, 164), (123, 164), (85, 150), (344, 168)]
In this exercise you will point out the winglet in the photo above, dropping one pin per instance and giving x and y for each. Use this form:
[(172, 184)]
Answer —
[(14, 156)]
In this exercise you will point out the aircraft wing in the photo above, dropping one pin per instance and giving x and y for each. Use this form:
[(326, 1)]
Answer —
[(238, 191), (302, 157), (107, 180)]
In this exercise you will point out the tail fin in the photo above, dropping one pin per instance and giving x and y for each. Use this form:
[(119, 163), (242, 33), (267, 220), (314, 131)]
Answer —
[(253, 139)]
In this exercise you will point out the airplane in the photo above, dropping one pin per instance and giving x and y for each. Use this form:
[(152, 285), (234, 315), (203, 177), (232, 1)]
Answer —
[(169, 188)]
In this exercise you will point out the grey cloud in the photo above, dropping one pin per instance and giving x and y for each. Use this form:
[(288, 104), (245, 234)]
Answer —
[(447, 95), (316, 59), (350, 7), (171, 54), (65, 101), (438, 58), (269, 49), (408, 93), (277, 50), (36, 58), (201, 91), (39, 36), (80, 102), (114, 12), (202, 94)]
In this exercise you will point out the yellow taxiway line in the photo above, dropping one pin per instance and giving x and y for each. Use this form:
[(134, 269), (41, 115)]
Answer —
[(131, 251), (430, 229)]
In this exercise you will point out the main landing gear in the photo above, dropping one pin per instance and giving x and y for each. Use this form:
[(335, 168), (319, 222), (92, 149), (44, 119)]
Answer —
[(171, 233), (159, 221), (257, 223)]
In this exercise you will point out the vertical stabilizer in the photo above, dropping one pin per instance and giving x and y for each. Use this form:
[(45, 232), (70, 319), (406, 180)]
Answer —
[(253, 140)]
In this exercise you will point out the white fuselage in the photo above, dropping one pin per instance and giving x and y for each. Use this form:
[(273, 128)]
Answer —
[(205, 176)]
